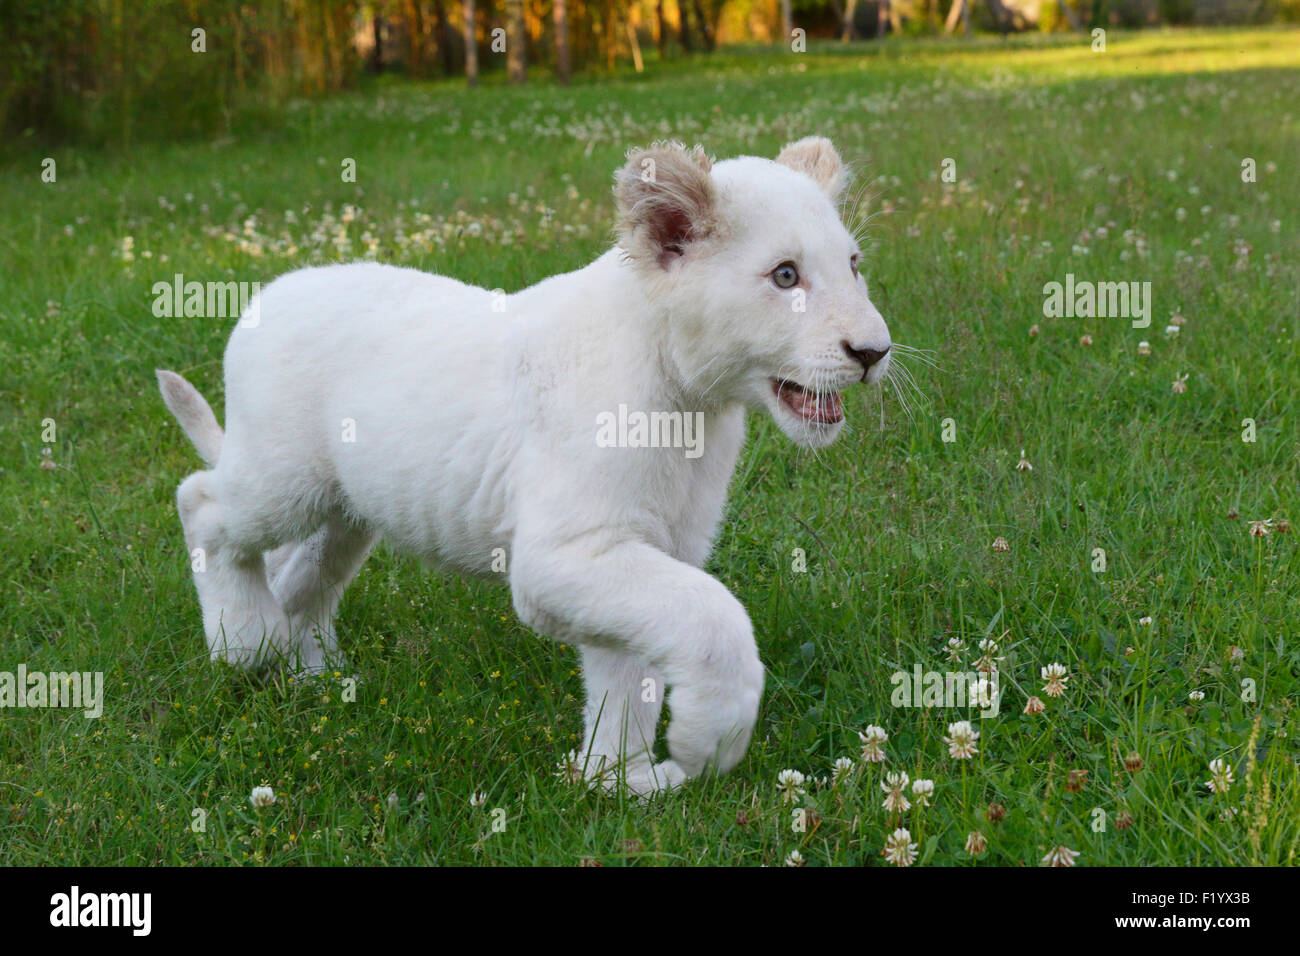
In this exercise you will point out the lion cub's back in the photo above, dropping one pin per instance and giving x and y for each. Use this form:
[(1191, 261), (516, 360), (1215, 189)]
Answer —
[(376, 382), (328, 318)]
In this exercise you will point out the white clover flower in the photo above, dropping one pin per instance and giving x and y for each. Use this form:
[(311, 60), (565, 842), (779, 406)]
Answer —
[(1220, 776), (1196, 696), (961, 740), (790, 783), (1060, 856), (923, 790), (794, 858), (893, 785), (262, 797), (873, 740), (477, 798), (899, 848), (1056, 676), (988, 659), (975, 843), (983, 692), (841, 769), (570, 768)]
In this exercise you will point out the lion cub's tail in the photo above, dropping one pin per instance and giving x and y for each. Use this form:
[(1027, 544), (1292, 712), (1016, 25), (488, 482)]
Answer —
[(194, 414)]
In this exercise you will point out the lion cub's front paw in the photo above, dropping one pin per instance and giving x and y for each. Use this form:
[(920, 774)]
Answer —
[(646, 779), (641, 776)]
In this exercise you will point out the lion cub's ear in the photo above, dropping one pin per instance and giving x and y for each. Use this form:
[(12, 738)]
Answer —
[(815, 157), (666, 200)]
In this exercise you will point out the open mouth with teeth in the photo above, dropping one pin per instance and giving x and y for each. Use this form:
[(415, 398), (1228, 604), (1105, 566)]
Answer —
[(817, 408)]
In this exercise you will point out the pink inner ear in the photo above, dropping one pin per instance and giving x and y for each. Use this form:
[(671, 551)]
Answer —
[(670, 230), (669, 255)]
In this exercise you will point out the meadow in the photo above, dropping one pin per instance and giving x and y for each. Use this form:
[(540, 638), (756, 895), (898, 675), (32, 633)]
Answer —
[(1112, 499)]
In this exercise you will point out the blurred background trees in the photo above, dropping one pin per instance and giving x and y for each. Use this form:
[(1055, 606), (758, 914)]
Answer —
[(119, 70)]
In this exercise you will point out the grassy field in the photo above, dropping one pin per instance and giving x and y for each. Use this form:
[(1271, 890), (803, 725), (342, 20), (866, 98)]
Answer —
[(1115, 166)]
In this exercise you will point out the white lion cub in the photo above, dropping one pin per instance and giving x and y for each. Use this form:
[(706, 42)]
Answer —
[(369, 400)]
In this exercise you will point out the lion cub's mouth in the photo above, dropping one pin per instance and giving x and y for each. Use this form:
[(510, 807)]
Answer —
[(820, 408)]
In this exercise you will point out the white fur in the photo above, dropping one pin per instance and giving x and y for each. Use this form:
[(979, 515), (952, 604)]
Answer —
[(475, 430)]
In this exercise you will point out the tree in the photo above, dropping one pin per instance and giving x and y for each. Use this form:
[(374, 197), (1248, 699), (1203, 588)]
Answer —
[(471, 44), (844, 12), (414, 39), (444, 35), (1070, 15), (516, 40), (706, 31), (960, 9), (377, 56), (1003, 17), (561, 14)]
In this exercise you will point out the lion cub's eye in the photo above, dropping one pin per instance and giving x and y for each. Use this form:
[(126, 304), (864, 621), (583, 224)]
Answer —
[(786, 276), (853, 263)]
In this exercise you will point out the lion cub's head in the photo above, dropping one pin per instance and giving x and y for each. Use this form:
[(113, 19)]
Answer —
[(758, 277)]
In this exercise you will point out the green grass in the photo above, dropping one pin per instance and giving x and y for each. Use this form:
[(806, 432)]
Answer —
[(1050, 140)]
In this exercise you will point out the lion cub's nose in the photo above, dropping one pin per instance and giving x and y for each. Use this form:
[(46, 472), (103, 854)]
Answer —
[(865, 357)]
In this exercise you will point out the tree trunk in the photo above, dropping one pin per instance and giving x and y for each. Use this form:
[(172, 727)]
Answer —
[(960, 10), (414, 37), (787, 21), (471, 44), (239, 54), (1070, 15), (561, 13), (377, 61), (684, 22), (607, 36), (1002, 16), (444, 35), (850, 30), (516, 58), (635, 44), (710, 42), (661, 36)]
